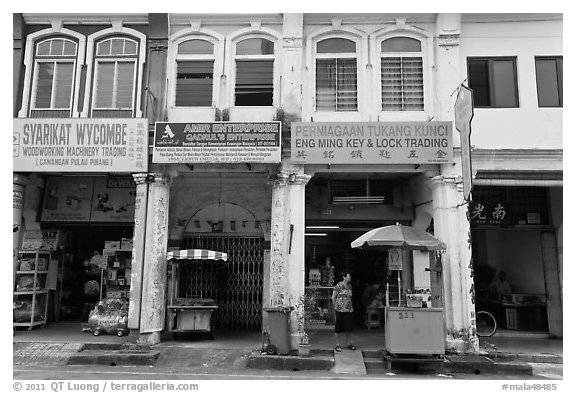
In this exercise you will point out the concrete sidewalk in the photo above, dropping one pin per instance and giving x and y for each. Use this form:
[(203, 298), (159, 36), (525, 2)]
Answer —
[(521, 354)]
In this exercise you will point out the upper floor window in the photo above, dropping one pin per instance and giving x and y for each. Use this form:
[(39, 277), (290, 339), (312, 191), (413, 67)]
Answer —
[(402, 76), (115, 75), (336, 75), (254, 72), (53, 80), (549, 80), (194, 73), (493, 81)]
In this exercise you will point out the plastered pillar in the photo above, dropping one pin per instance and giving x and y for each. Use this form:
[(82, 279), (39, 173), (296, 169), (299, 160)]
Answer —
[(278, 242), (153, 306), (451, 226), (296, 266), (140, 205)]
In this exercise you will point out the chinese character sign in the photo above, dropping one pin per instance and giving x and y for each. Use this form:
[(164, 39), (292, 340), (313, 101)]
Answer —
[(372, 143), (493, 213)]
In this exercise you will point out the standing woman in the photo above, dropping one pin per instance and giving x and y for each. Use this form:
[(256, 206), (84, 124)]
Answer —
[(342, 300)]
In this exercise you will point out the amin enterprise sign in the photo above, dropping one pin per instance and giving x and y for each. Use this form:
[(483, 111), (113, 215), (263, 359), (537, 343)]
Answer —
[(217, 142), (372, 143), (80, 145)]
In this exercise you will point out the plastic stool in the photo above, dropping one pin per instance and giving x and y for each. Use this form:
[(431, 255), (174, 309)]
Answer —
[(373, 318)]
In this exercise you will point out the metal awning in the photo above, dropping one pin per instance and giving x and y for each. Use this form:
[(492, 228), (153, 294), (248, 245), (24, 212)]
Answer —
[(197, 253)]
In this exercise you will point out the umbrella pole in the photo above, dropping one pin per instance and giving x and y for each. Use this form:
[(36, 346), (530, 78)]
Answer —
[(399, 289), (387, 294)]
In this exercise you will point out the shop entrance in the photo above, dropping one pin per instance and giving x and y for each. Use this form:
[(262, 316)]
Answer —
[(81, 277), (328, 253), (237, 287), (518, 301)]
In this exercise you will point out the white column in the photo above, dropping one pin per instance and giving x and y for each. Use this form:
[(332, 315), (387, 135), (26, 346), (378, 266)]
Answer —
[(451, 226), (295, 257), (278, 242), (153, 309), (140, 207)]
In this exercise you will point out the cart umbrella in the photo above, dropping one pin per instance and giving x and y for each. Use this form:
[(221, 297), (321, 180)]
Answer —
[(399, 236), (196, 253)]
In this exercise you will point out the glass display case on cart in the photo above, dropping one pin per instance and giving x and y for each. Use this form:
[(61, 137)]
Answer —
[(191, 303)]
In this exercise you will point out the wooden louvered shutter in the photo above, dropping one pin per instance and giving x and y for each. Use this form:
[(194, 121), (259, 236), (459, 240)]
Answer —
[(194, 83)]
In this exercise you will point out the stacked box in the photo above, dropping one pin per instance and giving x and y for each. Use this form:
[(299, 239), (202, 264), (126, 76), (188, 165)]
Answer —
[(327, 273)]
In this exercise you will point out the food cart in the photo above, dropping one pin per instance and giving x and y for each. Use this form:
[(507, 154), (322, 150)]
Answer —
[(189, 309), (414, 328)]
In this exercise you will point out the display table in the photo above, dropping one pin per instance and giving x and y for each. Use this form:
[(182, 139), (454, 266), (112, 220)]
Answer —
[(525, 312)]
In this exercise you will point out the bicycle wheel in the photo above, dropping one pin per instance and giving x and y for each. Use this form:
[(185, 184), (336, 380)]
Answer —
[(485, 324)]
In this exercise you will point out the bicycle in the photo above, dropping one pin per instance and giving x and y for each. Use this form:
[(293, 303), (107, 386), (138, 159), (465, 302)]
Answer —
[(485, 324)]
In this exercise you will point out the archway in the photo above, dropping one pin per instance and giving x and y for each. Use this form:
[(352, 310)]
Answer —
[(238, 287)]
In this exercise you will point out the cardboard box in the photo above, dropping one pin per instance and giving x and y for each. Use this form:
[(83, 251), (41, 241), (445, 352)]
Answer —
[(126, 244), (111, 245)]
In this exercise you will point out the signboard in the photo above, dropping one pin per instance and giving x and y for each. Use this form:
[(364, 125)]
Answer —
[(372, 143), (217, 142), (394, 259), (80, 145), (490, 213), (463, 114), (89, 199), (37, 240)]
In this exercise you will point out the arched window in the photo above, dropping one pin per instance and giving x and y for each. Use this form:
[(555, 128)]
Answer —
[(402, 76), (254, 72), (114, 88), (54, 75), (336, 75)]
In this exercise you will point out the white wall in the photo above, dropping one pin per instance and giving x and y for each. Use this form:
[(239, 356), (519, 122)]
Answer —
[(527, 126)]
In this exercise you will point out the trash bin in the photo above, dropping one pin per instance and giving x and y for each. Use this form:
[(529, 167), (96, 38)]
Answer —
[(279, 328)]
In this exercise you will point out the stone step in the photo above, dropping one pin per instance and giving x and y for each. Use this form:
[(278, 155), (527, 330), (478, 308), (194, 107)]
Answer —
[(114, 355)]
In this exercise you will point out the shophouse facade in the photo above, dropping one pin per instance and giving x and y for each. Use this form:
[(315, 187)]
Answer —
[(279, 138)]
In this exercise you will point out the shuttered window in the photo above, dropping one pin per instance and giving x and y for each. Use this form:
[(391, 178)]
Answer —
[(114, 85), (54, 74), (402, 75), (402, 84), (336, 75), (115, 74), (254, 72), (254, 82), (194, 73), (336, 85), (194, 81)]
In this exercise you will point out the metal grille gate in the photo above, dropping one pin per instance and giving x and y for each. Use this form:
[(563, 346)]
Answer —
[(237, 287)]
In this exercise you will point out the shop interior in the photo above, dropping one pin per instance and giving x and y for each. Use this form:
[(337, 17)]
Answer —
[(84, 276), (328, 252), (523, 307)]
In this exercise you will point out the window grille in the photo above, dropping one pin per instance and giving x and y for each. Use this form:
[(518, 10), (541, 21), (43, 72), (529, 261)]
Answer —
[(519, 200)]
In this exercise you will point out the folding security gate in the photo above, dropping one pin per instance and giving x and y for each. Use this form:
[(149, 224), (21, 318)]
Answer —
[(237, 287)]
